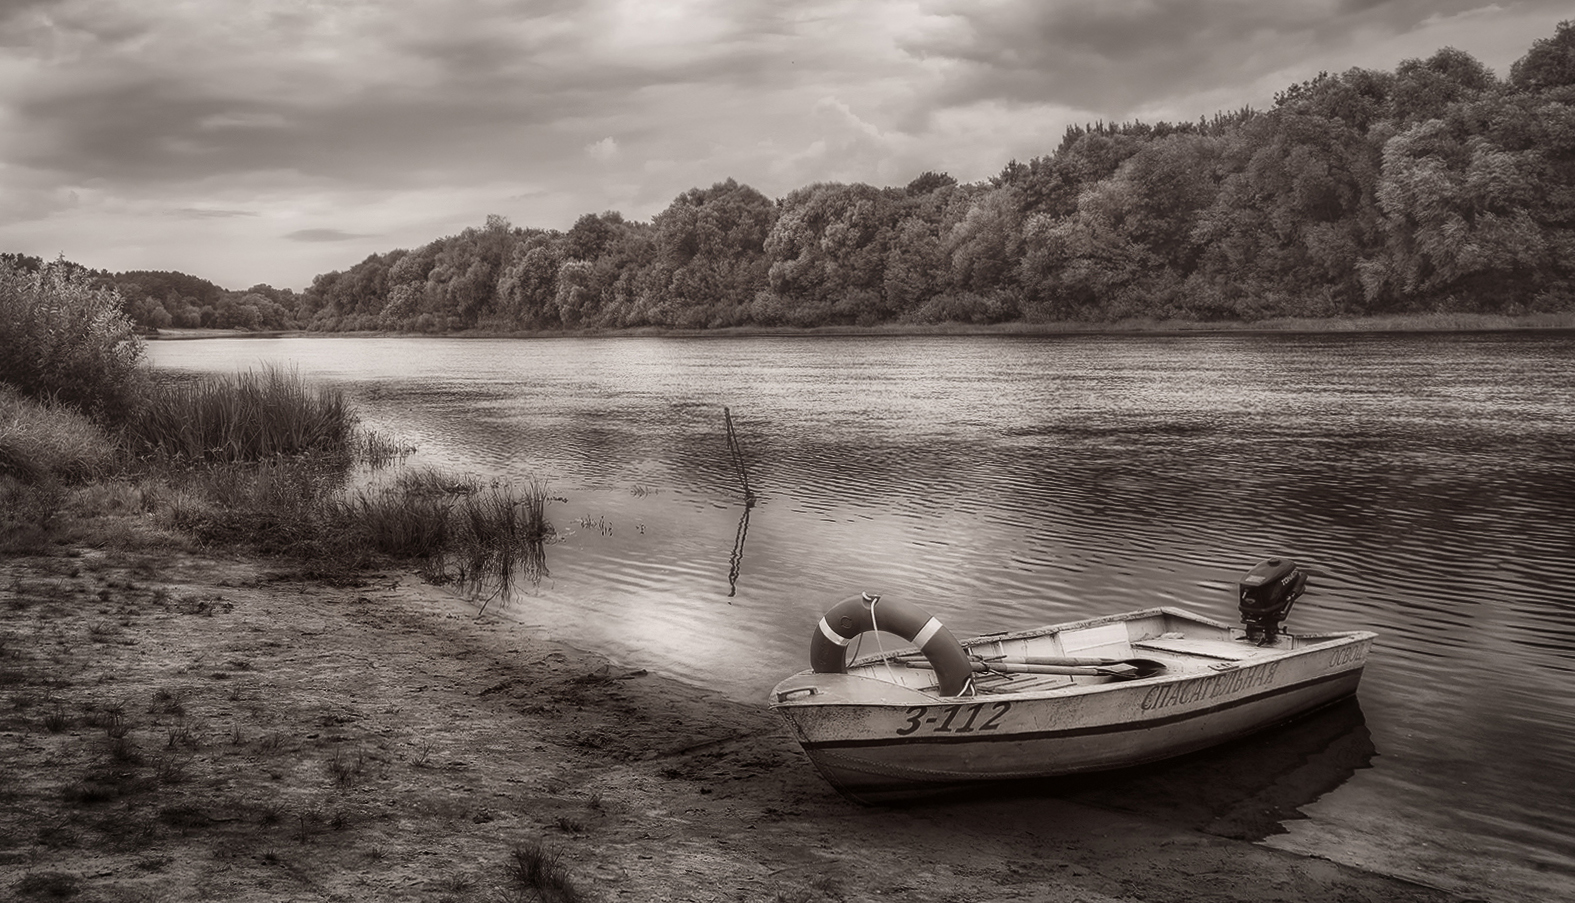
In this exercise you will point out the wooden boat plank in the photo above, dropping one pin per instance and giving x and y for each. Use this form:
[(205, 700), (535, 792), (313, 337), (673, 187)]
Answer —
[(1226, 650)]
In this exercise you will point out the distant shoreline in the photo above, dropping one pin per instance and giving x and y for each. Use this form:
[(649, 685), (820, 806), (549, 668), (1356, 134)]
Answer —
[(1396, 323)]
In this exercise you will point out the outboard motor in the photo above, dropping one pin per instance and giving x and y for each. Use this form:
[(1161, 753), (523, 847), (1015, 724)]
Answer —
[(1267, 594)]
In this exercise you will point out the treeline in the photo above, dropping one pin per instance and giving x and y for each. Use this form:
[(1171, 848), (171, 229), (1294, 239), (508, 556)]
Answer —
[(1435, 187), (159, 299)]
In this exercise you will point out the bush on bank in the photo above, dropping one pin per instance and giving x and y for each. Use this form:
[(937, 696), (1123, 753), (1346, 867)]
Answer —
[(65, 340)]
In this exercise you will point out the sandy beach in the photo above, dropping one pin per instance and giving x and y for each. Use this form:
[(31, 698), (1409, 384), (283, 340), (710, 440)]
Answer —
[(191, 728)]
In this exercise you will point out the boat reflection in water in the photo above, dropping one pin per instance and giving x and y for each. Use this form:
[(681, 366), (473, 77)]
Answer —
[(1244, 790)]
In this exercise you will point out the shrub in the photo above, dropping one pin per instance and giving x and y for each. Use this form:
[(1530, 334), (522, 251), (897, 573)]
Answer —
[(41, 441), (65, 339)]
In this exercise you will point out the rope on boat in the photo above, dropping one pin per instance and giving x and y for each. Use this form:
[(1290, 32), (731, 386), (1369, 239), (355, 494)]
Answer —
[(875, 629)]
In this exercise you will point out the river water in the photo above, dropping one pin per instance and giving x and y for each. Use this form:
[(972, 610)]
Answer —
[(1014, 481)]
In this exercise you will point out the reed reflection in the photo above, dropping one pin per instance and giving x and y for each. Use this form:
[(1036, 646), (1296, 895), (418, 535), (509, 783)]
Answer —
[(736, 562)]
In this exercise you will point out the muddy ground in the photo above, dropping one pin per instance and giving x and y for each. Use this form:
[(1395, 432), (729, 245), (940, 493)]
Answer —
[(186, 728)]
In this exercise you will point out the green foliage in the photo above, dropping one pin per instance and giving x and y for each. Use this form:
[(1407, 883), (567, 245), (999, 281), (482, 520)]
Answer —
[(62, 337)]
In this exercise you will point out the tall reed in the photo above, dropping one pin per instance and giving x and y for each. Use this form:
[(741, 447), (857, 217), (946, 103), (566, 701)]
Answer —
[(481, 538), (499, 533), (250, 416)]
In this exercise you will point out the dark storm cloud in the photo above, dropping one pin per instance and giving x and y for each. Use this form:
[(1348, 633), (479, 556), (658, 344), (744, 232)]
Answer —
[(1112, 56), (209, 213), (323, 235), (437, 91)]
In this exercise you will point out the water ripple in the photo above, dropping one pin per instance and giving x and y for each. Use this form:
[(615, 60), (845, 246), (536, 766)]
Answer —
[(1006, 482)]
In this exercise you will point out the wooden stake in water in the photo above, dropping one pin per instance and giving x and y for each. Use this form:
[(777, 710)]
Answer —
[(738, 459), (736, 563)]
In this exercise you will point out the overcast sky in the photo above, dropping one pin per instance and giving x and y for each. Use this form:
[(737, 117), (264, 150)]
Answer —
[(250, 141)]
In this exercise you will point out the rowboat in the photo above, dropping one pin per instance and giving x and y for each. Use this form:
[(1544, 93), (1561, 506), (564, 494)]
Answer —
[(934, 713)]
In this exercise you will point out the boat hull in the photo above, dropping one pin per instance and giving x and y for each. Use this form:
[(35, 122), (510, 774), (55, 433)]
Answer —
[(909, 744)]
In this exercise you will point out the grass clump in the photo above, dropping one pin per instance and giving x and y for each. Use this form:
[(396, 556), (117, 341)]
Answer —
[(44, 440), (45, 447), (497, 533), (410, 517), (250, 416), (275, 506), (479, 537), (535, 871)]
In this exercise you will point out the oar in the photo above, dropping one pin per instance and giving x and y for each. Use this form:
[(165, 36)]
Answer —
[(1053, 664), (1121, 669), (1069, 660)]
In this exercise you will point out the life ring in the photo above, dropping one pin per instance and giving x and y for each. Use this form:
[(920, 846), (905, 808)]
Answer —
[(859, 614)]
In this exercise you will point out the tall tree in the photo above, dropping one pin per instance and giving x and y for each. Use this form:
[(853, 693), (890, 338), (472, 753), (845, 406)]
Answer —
[(1459, 210), (1297, 212), (711, 247), (827, 253), (1549, 64)]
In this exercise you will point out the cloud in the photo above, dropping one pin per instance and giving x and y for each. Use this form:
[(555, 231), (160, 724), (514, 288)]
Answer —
[(209, 213), (603, 150), (323, 235), (358, 91), (1113, 57)]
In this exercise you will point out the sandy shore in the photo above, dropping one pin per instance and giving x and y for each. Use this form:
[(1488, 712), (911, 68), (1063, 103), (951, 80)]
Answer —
[(181, 728)]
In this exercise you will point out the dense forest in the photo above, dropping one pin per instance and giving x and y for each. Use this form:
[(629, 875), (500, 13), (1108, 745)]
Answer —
[(161, 299), (1435, 187)]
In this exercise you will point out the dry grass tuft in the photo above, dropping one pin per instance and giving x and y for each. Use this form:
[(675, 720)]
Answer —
[(532, 869)]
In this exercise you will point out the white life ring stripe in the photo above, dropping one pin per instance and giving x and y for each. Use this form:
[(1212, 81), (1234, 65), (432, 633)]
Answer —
[(832, 635), (931, 628)]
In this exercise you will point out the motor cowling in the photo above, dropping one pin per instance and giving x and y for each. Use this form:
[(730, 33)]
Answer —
[(1267, 594)]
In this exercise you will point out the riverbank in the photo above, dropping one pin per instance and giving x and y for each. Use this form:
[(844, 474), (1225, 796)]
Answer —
[(189, 727), (1440, 322)]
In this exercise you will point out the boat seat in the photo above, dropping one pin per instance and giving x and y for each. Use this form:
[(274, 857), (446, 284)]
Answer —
[(1103, 641), (1022, 683), (1223, 650)]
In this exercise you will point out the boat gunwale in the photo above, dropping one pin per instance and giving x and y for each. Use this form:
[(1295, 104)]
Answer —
[(1048, 693), (1322, 641), (1099, 621)]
